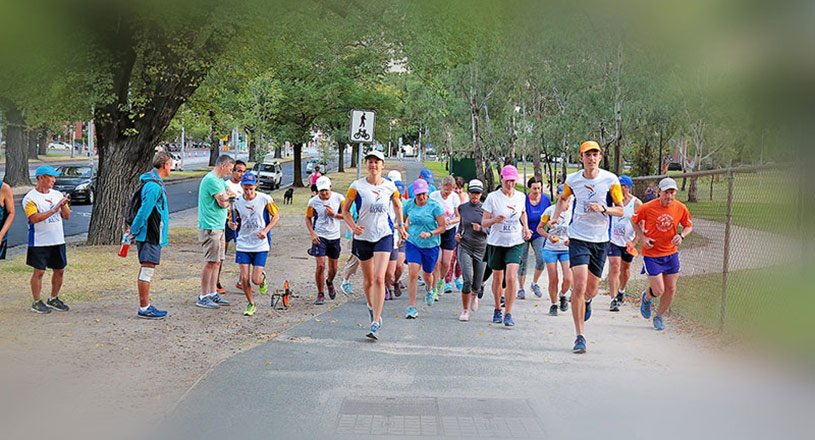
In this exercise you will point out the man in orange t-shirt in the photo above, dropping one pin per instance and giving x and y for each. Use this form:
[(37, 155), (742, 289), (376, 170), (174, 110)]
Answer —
[(656, 224)]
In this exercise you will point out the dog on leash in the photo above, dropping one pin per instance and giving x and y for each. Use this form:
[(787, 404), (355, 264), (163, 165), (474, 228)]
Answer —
[(287, 196)]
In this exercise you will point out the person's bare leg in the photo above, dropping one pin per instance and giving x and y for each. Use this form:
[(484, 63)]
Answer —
[(512, 277), (36, 283), (332, 270), (206, 276), (319, 273), (246, 282), (581, 275), (413, 282), (400, 267), (367, 267), (144, 287), (667, 299), (56, 282), (625, 274), (537, 276), (568, 277), (613, 275), (390, 272), (657, 287), (592, 286), (380, 266), (497, 289), (551, 273)]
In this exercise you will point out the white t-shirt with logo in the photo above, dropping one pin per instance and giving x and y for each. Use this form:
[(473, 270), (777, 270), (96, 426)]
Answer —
[(373, 205), (622, 230), (325, 226), (560, 230), (236, 188), (254, 216), (604, 190), (448, 205), (510, 233), (49, 231)]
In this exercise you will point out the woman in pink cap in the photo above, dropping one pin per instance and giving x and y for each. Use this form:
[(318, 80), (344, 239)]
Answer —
[(505, 215)]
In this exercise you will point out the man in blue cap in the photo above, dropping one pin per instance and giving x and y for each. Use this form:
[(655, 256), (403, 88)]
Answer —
[(45, 209), (426, 175)]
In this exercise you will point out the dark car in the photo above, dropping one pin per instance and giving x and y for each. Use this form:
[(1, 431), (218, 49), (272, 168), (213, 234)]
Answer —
[(674, 166), (78, 181)]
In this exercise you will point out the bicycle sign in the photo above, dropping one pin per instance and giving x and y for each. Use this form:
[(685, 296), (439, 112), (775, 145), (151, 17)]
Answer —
[(362, 126)]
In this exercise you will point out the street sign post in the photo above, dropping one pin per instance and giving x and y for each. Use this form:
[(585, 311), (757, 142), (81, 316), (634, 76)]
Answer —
[(363, 123)]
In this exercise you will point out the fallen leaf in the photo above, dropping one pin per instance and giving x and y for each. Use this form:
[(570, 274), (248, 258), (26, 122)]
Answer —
[(481, 332), (334, 321), (318, 319), (67, 335)]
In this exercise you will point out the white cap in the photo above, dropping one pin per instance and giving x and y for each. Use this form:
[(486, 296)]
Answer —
[(667, 183), (323, 183), (475, 185), (375, 153), (395, 176)]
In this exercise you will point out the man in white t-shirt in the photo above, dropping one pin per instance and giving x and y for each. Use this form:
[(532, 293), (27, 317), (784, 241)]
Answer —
[(233, 183), (323, 218), (45, 209), (597, 195)]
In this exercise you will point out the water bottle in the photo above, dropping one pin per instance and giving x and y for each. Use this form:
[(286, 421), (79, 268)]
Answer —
[(125, 246)]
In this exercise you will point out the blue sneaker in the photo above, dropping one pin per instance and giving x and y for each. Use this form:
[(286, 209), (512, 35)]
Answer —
[(220, 301), (346, 287), (436, 294), (508, 320), (207, 302), (645, 306), (411, 313), (152, 313), (588, 311), (579, 344), (536, 289), (658, 324), (448, 287), (373, 333), (429, 297), (521, 294), (459, 283), (496, 316)]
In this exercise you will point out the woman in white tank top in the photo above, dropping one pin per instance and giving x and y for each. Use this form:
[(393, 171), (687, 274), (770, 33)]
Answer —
[(623, 242)]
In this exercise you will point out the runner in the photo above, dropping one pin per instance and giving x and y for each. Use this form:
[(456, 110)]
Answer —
[(256, 215), (506, 209), (556, 250), (322, 213), (656, 224), (213, 200), (454, 274), (352, 264), (425, 224), (449, 201), (597, 195), (373, 232), (312, 179), (149, 230), (425, 175), (233, 183), (395, 274), (536, 204), (472, 244), (6, 216), (623, 242), (46, 208)]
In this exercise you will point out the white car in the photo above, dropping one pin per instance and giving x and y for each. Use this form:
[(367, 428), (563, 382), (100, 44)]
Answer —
[(59, 146), (269, 174)]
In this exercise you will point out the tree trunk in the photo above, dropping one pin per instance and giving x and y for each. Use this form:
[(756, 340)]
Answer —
[(253, 146), (42, 140), (354, 155), (16, 150), (298, 165), (478, 152), (278, 152), (214, 148), (693, 190), (340, 157)]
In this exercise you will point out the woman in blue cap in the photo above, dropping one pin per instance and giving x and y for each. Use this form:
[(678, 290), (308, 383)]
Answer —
[(623, 242)]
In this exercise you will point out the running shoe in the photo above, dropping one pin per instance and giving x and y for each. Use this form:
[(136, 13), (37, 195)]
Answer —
[(508, 320), (264, 286), (346, 287), (420, 282), (429, 297), (620, 297), (579, 344), (220, 301), (152, 313), (40, 307), (436, 295), (249, 310), (658, 324), (320, 299), (206, 302), (521, 294), (331, 292), (448, 287), (465, 316), (387, 294), (220, 289), (496, 316), (473, 301), (536, 289), (397, 289), (564, 303), (373, 333), (459, 283), (588, 311), (614, 306), (645, 306), (502, 301), (553, 310), (57, 304), (411, 313), (239, 285)]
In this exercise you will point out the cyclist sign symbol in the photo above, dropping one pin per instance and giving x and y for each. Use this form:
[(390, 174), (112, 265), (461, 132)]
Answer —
[(362, 126)]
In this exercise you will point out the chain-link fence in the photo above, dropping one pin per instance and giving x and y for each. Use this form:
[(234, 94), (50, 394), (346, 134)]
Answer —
[(740, 266)]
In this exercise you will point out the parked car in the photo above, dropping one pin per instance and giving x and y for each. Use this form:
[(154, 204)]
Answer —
[(314, 161), (674, 166), (176, 162), (269, 174), (59, 146), (78, 181)]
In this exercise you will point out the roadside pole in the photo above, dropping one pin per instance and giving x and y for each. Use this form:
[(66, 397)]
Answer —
[(181, 166)]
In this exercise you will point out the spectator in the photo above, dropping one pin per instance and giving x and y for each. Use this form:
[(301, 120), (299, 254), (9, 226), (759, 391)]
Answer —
[(6, 216)]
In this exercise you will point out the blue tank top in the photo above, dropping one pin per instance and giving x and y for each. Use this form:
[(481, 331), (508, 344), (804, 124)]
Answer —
[(534, 213)]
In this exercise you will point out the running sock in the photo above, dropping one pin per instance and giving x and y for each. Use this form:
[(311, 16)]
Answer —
[(554, 303), (144, 309)]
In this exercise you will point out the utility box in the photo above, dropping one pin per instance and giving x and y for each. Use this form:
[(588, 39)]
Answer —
[(464, 167)]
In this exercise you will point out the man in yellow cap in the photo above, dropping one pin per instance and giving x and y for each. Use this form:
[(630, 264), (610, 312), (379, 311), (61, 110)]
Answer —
[(597, 195)]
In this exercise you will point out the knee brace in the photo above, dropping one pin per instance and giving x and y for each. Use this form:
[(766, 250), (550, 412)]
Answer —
[(146, 274)]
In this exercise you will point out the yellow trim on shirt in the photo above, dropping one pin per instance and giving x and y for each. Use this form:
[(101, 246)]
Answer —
[(567, 192), (616, 193), (30, 208), (272, 208), (309, 212)]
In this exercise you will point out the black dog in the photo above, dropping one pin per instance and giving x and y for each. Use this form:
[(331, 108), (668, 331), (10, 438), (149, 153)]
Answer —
[(287, 197)]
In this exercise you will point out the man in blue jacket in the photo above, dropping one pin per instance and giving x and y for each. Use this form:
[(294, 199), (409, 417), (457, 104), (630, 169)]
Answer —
[(149, 229)]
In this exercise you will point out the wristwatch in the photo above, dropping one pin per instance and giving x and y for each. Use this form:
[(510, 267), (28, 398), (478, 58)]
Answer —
[(604, 209)]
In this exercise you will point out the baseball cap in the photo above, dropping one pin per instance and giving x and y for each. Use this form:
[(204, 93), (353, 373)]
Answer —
[(249, 179), (590, 145), (420, 187), (395, 176), (375, 153), (426, 175), (323, 183), (625, 180), (509, 172), (46, 170), (667, 183), (475, 186)]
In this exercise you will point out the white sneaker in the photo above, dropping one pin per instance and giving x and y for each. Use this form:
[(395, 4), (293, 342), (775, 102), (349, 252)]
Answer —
[(465, 316)]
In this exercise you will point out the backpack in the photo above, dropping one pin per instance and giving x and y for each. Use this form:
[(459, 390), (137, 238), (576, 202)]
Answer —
[(134, 203)]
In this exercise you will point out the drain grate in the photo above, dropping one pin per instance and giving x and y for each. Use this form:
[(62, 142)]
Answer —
[(431, 417)]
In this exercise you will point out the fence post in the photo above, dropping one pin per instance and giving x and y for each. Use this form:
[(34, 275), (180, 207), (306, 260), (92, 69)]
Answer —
[(726, 259)]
